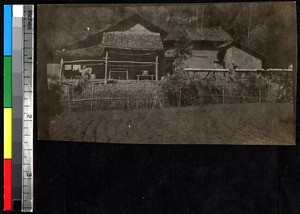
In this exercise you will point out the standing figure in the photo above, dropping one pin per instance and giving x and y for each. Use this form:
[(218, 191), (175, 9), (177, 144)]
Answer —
[(86, 72), (231, 71)]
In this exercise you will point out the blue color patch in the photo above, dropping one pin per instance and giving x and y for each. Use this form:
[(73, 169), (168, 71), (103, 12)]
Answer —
[(7, 30)]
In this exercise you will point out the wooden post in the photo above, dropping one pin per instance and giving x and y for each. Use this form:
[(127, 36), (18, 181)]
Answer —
[(202, 17), (128, 104), (106, 62), (61, 69), (92, 95), (69, 98), (223, 93), (197, 22), (179, 100), (160, 103), (156, 68), (194, 74), (268, 93)]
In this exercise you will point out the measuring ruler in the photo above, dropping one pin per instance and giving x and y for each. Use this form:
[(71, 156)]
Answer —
[(27, 121)]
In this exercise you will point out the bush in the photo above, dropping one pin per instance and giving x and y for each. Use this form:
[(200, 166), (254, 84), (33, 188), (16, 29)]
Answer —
[(285, 87), (54, 92), (252, 88)]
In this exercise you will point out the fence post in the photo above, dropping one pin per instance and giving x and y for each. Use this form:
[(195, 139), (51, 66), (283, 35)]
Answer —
[(69, 98), (223, 94), (106, 62), (69, 105), (179, 100), (156, 67), (160, 103), (92, 95), (268, 93), (128, 104), (61, 70)]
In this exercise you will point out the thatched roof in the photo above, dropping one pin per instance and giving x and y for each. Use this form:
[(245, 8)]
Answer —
[(121, 25), (90, 52), (132, 40), (216, 34)]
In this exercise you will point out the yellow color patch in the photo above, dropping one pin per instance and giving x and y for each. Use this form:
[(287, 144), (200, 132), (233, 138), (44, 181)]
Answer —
[(7, 133)]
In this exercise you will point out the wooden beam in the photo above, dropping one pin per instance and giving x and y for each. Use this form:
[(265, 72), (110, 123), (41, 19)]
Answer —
[(236, 70), (103, 98), (85, 60), (132, 62), (95, 64), (128, 66), (278, 70), (61, 69), (106, 62), (156, 67)]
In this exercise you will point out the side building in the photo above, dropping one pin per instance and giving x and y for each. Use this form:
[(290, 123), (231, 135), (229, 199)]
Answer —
[(210, 48)]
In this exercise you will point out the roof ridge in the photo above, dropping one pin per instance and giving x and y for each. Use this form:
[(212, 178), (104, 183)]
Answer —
[(132, 32)]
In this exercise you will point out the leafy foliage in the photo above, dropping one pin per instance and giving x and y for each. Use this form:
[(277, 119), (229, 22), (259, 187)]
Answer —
[(251, 88), (183, 49)]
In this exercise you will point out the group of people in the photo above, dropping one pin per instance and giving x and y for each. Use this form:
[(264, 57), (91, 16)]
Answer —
[(231, 72), (86, 72), (83, 73)]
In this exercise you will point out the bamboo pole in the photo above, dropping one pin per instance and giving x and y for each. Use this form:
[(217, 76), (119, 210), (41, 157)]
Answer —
[(132, 62), (268, 93), (69, 98), (95, 64), (236, 70), (92, 96), (61, 69), (179, 100), (106, 62), (223, 95), (130, 66), (128, 104), (202, 17), (85, 60), (249, 23), (156, 68)]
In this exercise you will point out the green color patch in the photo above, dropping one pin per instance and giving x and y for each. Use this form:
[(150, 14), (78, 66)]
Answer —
[(7, 82)]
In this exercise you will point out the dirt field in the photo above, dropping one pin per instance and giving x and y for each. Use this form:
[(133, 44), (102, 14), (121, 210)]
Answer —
[(261, 123)]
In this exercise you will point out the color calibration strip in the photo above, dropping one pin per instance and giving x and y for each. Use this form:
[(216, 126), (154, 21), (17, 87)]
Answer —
[(18, 107), (28, 96), (17, 103), (7, 78)]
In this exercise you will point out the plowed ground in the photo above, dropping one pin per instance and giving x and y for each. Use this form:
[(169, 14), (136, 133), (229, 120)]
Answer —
[(260, 123)]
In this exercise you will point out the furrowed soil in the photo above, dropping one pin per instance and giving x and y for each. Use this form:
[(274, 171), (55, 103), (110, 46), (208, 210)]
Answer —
[(259, 124)]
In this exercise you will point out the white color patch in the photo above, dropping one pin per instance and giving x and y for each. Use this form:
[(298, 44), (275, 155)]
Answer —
[(17, 10)]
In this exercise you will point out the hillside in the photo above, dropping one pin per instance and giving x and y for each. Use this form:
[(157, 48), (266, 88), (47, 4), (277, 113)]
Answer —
[(267, 27)]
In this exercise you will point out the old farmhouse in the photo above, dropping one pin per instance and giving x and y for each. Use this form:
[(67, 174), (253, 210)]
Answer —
[(135, 49)]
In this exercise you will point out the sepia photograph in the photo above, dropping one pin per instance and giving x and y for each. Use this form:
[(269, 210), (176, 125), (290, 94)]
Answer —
[(206, 73)]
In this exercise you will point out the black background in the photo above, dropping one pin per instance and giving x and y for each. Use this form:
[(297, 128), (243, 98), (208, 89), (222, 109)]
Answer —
[(115, 178)]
